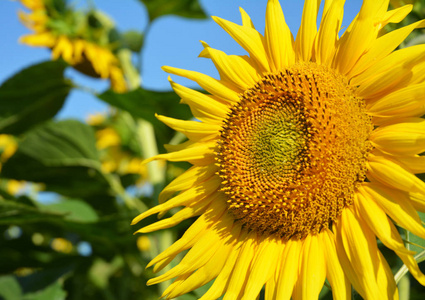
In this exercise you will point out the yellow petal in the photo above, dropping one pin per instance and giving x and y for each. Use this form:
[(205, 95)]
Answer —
[(312, 269), (211, 269), (271, 286), (263, 267), (232, 68), (45, 39), (211, 85), (189, 179), (403, 58), (379, 223), (363, 255), (387, 233), (393, 175), (396, 205), (407, 138), (200, 253), (396, 15), (221, 282), (63, 49), (191, 235), (193, 209), (415, 164), (240, 271), (341, 287), (187, 197), (418, 201), (192, 129), (384, 46), (327, 36), (358, 38), (400, 102), (246, 19), (307, 33), (289, 272), (249, 38), (200, 154), (278, 38), (201, 105)]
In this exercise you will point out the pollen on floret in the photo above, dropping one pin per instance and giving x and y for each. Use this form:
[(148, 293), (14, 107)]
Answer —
[(293, 150)]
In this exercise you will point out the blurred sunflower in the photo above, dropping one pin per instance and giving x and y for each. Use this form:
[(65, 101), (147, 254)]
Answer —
[(304, 154), (8, 147), (116, 154), (82, 40)]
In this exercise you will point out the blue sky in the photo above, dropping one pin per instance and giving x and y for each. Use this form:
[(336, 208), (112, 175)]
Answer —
[(171, 40)]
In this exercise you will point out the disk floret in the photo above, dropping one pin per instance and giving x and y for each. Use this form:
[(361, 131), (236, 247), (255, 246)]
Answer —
[(293, 150)]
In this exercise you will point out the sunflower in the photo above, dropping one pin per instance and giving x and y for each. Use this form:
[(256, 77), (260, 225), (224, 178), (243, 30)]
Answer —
[(116, 154), (304, 153), (71, 38)]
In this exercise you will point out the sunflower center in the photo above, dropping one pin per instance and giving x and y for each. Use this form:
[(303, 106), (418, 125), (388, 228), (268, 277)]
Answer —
[(293, 151)]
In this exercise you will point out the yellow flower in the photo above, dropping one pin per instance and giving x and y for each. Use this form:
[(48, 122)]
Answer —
[(304, 153), (61, 245), (114, 155), (89, 57)]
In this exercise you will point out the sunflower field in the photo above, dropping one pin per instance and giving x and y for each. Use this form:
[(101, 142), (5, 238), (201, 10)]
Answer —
[(296, 173)]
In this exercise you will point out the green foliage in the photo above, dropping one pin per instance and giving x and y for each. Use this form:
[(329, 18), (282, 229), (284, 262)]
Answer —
[(63, 156), (184, 8), (32, 96), (144, 104), (69, 235)]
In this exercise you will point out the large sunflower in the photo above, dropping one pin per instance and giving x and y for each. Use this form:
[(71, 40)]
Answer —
[(304, 154)]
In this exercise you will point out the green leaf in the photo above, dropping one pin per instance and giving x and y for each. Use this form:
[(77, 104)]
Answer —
[(184, 8), (144, 104), (74, 210), (9, 288), (132, 40), (32, 96), (52, 292), (61, 155)]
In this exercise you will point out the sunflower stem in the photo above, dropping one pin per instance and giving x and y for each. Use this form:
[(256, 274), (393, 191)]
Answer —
[(404, 288), (403, 270)]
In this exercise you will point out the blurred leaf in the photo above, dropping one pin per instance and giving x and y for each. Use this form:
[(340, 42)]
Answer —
[(74, 210), (12, 212), (184, 8), (52, 292), (133, 40), (61, 155), (144, 104), (101, 271), (9, 288), (32, 96), (38, 281), (415, 239)]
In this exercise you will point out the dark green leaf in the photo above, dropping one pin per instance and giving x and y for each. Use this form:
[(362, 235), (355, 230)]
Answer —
[(36, 282), (32, 96), (74, 210), (184, 8), (61, 155)]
